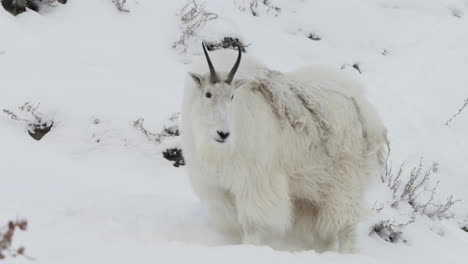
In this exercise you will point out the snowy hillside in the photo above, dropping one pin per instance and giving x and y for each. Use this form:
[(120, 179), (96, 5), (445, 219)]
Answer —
[(95, 189)]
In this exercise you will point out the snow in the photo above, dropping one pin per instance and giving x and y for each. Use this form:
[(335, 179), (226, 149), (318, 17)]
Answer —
[(120, 201)]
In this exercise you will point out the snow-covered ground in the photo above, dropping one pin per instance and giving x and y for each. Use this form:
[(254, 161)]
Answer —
[(96, 190)]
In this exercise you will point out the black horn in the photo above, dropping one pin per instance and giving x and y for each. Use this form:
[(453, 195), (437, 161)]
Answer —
[(213, 75), (235, 67)]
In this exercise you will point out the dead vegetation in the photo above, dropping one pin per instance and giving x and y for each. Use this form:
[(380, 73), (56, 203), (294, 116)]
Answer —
[(226, 43), (6, 239), (465, 104), (410, 190), (173, 154), (168, 131), (415, 189), (389, 231), (256, 6), (37, 125), (193, 17), (120, 5)]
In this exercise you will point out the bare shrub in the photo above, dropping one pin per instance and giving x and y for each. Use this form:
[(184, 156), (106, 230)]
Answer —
[(418, 179), (465, 104), (150, 135), (170, 131), (120, 5), (37, 124), (409, 189), (6, 239), (254, 6), (193, 17), (173, 154), (389, 231), (436, 210), (414, 187)]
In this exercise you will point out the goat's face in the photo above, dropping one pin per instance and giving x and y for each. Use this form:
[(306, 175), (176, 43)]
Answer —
[(215, 99), (215, 102)]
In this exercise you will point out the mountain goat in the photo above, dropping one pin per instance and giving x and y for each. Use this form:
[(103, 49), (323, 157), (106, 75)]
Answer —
[(273, 153)]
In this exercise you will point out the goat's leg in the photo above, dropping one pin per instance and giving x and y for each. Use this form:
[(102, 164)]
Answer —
[(324, 242), (263, 208), (223, 213), (347, 240), (337, 220)]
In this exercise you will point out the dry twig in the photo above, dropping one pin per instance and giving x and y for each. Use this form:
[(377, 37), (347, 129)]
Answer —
[(409, 190), (193, 17), (389, 231), (120, 5), (465, 104), (158, 137)]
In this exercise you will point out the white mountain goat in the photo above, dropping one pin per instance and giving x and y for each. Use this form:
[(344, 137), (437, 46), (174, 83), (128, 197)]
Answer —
[(274, 153)]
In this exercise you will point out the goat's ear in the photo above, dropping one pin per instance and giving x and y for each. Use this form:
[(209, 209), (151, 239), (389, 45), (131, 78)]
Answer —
[(196, 78), (239, 83)]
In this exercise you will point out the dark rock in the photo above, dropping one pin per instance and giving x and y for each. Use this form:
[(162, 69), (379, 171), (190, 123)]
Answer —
[(356, 66), (39, 130), (16, 7), (175, 155), (313, 36)]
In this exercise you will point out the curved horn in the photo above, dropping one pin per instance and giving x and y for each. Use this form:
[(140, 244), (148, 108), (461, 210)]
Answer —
[(213, 76), (235, 67)]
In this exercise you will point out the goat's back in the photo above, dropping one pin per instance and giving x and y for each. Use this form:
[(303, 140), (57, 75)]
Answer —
[(328, 78)]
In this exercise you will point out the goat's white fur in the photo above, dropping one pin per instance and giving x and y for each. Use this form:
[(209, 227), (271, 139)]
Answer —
[(304, 146)]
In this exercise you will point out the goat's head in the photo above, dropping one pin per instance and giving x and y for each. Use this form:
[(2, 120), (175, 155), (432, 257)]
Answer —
[(215, 99)]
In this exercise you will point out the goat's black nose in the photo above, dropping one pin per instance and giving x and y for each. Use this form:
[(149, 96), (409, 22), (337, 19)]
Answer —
[(223, 135)]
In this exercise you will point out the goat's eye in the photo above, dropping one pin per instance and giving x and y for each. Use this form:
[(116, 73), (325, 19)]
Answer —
[(208, 95)]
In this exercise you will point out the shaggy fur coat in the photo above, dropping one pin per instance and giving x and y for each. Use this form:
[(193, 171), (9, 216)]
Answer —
[(304, 146)]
